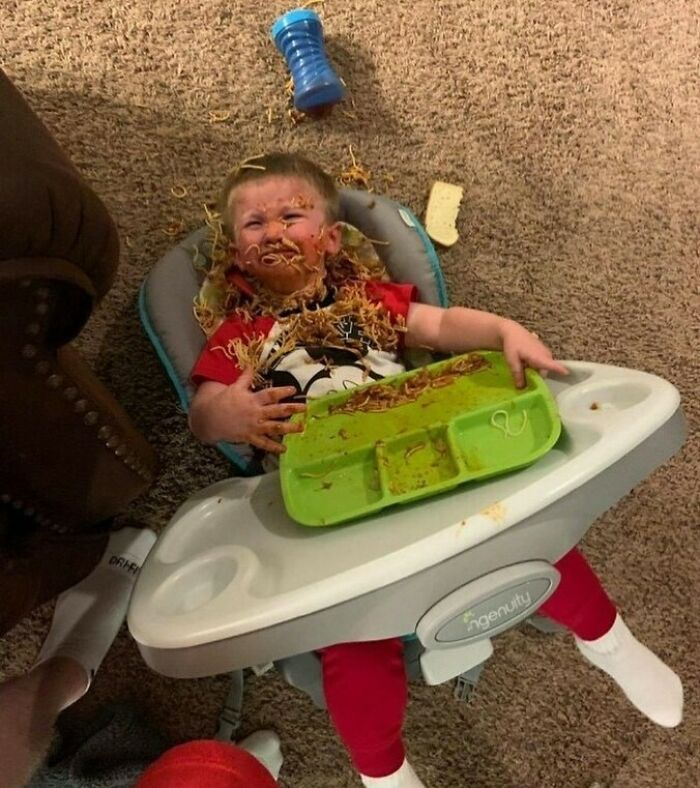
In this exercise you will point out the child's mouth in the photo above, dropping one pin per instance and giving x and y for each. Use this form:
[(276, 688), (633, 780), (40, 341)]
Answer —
[(278, 258), (285, 254)]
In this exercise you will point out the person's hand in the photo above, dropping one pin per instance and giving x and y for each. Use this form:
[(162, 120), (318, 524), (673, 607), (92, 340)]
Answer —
[(236, 414), (522, 348)]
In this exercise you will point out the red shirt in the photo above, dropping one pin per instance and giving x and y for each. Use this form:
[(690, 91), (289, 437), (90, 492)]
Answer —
[(302, 366)]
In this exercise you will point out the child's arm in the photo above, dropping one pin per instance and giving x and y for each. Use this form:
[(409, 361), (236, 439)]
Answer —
[(236, 413), (458, 330)]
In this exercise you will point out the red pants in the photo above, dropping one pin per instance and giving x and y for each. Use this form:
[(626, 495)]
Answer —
[(365, 683)]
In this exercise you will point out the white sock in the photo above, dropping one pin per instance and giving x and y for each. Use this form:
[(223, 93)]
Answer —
[(88, 616), (265, 746), (649, 685), (403, 777)]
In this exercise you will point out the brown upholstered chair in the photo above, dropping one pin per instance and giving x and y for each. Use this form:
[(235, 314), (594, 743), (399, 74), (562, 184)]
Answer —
[(70, 458)]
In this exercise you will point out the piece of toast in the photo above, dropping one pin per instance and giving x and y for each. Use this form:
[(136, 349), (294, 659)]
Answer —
[(441, 212)]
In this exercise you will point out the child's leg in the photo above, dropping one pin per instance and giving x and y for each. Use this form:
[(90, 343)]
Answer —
[(366, 692), (581, 604)]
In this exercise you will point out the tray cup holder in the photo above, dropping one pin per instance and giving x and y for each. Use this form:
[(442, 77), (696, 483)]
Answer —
[(605, 397), (196, 585)]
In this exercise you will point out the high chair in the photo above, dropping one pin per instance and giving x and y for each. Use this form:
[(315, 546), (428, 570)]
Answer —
[(233, 582)]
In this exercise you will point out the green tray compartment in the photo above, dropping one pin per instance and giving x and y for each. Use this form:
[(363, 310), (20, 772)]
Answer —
[(485, 448), (419, 463), (316, 492)]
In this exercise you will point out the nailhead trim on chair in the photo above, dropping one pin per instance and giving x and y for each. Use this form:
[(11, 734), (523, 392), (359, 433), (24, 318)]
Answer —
[(54, 380), (31, 511), (29, 351)]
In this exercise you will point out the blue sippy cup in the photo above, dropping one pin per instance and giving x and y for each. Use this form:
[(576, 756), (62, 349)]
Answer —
[(299, 37)]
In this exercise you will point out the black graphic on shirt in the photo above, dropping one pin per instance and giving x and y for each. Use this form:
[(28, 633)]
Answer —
[(317, 370)]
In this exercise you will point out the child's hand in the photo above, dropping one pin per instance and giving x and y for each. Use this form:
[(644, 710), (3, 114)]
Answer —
[(522, 348), (236, 413)]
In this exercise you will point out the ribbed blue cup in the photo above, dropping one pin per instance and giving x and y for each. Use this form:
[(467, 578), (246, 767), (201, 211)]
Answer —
[(299, 37)]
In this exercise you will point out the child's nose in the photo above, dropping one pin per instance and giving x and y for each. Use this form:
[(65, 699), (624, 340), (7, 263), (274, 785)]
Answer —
[(274, 230)]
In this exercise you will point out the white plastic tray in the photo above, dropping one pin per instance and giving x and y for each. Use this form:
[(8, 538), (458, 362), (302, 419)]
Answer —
[(232, 562)]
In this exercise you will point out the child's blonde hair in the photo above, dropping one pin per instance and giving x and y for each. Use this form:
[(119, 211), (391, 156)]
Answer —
[(292, 165)]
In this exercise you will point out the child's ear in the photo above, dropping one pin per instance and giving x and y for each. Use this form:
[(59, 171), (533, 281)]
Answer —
[(334, 238)]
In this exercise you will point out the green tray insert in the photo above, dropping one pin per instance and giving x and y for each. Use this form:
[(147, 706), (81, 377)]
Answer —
[(455, 429)]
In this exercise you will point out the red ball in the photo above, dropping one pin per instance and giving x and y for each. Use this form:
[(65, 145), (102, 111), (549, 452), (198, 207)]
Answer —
[(206, 764)]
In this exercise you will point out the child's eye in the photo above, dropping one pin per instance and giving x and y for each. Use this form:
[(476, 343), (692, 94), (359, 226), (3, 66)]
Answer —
[(290, 217), (252, 223)]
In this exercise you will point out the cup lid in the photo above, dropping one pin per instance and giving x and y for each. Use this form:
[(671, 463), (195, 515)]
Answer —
[(292, 17)]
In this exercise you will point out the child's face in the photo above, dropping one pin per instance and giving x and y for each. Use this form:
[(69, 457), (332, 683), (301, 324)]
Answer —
[(281, 232)]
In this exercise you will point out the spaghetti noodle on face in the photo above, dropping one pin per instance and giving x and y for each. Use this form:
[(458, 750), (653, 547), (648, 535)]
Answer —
[(281, 258), (281, 233)]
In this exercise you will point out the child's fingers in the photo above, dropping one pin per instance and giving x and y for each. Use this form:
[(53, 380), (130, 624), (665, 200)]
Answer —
[(267, 444), (552, 366), (283, 410), (275, 394), (516, 368), (280, 427)]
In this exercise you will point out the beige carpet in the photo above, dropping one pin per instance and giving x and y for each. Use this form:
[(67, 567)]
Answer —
[(574, 129)]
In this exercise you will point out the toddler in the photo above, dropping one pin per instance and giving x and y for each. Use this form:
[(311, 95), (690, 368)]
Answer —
[(302, 323)]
